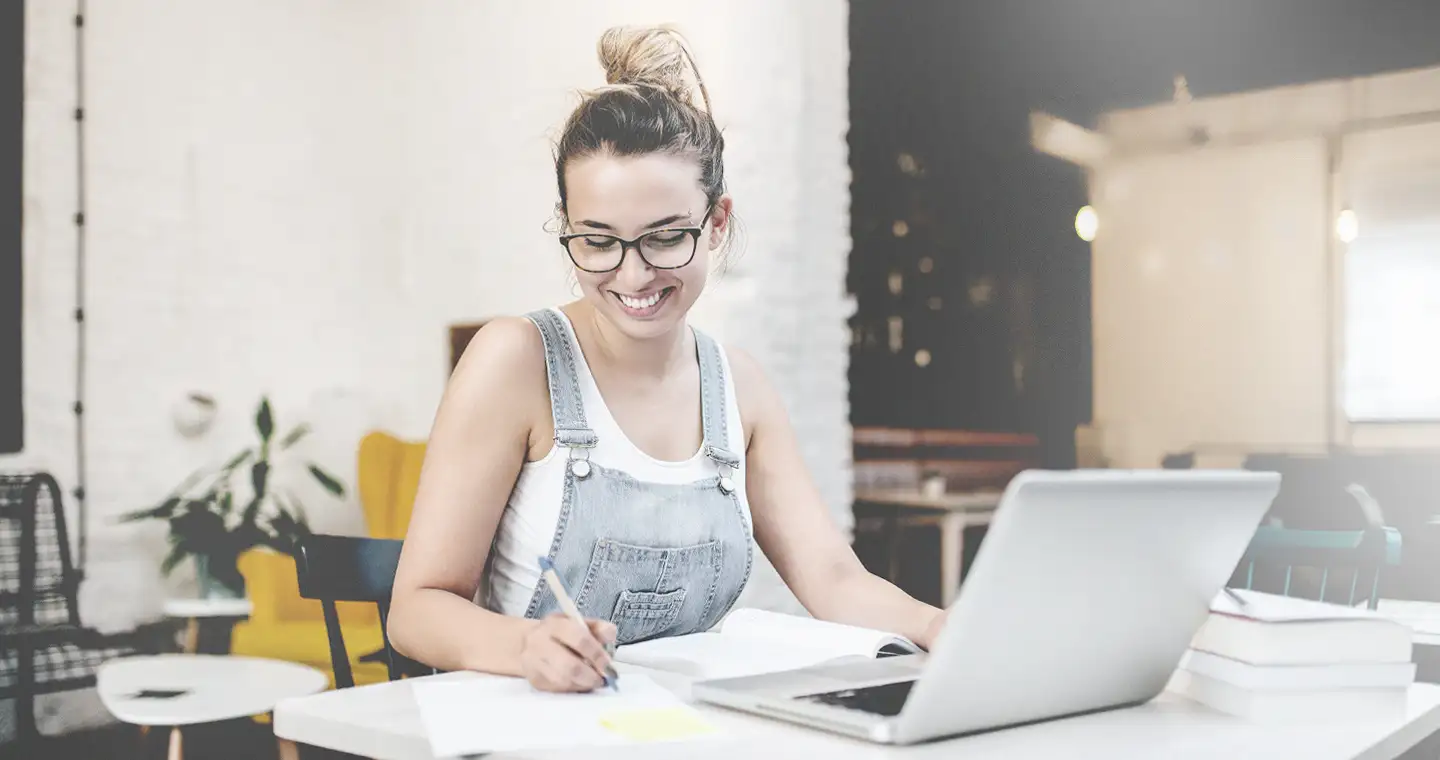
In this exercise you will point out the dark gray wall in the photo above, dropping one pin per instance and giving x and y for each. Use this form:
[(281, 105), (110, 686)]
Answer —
[(12, 110)]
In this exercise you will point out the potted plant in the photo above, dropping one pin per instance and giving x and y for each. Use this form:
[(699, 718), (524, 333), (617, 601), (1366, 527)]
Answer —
[(216, 514)]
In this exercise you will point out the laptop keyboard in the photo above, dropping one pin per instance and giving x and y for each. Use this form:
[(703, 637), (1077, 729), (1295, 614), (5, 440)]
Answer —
[(879, 700)]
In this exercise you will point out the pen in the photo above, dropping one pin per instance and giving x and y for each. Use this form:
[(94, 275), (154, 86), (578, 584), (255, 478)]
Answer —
[(547, 571), (1239, 600)]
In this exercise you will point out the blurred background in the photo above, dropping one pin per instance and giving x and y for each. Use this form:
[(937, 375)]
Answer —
[(980, 237)]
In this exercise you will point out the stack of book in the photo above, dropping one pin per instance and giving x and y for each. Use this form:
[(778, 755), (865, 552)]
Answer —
[(1268, 657)]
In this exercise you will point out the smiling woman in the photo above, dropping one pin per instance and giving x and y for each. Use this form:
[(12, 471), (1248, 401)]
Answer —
[(610, 440)]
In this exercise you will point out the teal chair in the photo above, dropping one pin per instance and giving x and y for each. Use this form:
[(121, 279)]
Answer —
[(1358, 555)]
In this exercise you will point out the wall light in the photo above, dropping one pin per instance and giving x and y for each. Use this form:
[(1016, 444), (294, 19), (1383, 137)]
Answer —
[(1087, 223), (1347, 226)]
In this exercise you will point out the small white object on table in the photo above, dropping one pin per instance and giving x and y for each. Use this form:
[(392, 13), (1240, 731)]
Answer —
[(954, 512), (382, 721), (195, 609), (213, 688)]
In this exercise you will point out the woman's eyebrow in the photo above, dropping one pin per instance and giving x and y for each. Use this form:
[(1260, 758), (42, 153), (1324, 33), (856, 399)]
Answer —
[(658, 223)]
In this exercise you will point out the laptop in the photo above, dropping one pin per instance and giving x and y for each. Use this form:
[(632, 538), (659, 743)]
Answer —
[(1083, 597)]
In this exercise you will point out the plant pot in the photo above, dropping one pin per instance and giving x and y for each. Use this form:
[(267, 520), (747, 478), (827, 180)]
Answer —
[(210, 586)]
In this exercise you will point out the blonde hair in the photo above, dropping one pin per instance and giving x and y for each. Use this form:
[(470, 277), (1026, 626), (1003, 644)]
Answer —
[(655, 56), (648, 105)]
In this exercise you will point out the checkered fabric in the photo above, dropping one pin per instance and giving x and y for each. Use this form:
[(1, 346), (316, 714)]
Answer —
[(43, 648)]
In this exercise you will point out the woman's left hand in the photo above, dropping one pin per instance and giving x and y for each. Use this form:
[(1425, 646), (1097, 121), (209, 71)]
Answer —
[(932, 631)]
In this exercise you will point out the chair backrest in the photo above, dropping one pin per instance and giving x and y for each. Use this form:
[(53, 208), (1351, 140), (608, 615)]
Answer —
[(351, 569), (389, 475), (38, 583), (1341, 555)]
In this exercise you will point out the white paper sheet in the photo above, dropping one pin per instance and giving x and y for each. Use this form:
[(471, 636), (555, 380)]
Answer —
[(706, 656), (474, 715)]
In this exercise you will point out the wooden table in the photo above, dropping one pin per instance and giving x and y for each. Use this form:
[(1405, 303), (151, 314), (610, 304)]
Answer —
[(382, 721), (952, 513)]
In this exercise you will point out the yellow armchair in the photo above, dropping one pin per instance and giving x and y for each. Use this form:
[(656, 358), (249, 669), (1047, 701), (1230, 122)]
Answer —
[(283, 626), (286, 627), (389, 476)]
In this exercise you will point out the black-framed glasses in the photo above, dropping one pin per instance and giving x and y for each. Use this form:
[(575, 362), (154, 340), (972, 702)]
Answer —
[(665, 248)]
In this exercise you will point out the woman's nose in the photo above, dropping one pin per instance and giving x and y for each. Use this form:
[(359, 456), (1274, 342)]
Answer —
[(634, 273)]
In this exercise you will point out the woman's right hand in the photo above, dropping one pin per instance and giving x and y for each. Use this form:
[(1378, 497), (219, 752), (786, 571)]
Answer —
[(558, 655)]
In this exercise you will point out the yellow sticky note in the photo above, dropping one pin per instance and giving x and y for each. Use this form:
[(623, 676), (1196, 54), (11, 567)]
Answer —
[(656, 724)]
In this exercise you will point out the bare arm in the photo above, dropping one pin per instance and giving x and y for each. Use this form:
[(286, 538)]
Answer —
[(795, 529), (474, 454)]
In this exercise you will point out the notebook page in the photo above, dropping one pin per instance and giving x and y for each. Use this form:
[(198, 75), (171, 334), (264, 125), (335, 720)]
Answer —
[(1273, 608), (492, 714), (828, 640), (720, 655)]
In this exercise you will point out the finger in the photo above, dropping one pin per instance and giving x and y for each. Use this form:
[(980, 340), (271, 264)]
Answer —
[(583, 676), (557, 670), (584, 645), (604, 630)]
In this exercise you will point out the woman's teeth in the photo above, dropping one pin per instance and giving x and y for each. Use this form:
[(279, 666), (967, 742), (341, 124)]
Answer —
[(641, 303)]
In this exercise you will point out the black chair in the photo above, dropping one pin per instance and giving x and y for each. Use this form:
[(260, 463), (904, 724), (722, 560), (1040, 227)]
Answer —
[(352, 569)]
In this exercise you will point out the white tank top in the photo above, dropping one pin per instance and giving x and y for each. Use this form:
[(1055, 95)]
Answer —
[(527, 526)]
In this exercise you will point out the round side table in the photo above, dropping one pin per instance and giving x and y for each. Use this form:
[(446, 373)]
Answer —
[(210, 621), (178, 690)]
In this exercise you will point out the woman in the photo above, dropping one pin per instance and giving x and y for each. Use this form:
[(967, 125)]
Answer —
[(629, 449)]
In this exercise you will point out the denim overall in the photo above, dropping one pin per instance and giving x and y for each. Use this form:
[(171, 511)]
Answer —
[(654, 559)]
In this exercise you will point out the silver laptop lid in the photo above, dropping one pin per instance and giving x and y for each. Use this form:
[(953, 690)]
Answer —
[(1084, 594)]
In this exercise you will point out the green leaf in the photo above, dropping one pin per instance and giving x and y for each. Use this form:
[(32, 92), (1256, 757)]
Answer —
[(288, 532), (252, 511), (198, 529), (189, 482), (239, 458), (164, 511), (265, 421), (177, 553), (294, 436), (260, 477), (246, 536), (328, 481), (225, 570)]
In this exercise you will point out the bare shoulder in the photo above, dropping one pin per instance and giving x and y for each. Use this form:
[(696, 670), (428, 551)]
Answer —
[(506, 347), (502, 371)]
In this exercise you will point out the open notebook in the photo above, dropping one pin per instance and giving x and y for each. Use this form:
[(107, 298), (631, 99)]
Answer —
[(751, 641)]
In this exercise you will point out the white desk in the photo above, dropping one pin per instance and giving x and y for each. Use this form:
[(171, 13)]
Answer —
[(382, 721), (1422, 617), (952, 512)]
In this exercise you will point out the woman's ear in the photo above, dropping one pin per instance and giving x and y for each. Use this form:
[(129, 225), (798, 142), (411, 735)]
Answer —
[(720, 220)]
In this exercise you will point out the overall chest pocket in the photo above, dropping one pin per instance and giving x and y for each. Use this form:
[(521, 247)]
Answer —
[(648, 591)]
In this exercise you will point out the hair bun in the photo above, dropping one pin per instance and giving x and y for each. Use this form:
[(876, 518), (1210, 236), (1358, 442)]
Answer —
[(656, 56)]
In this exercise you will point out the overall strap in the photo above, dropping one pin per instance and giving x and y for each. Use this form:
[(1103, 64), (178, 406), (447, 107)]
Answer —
[(713, 410), (566, 406)]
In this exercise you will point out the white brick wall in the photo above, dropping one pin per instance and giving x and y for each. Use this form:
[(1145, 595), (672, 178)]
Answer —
[(297, 198)]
